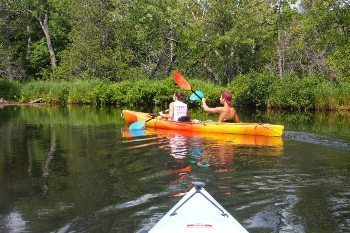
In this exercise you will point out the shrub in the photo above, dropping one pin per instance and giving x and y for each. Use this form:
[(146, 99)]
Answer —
[(34, 90), (57, 92), (85, 92), (344, 96), (327, 96), (164, 90), (252, 90), (211, 91), (140, 93), (294, 93), (9, 90), (118, 91)]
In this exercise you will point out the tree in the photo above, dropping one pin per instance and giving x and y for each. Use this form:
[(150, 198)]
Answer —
[(90, 52), (29, 30), (321, 37), (148, 34), (285, 17), (12, 60), (238, 34)]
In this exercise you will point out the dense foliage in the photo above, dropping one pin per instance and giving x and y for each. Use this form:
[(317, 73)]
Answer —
[(142, 92), (275, 53), (249, 91), (9, 90), (214, 40), (252, 90)]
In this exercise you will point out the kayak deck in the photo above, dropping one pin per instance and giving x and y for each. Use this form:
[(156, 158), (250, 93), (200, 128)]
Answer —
[(198, 211), (257, 129)]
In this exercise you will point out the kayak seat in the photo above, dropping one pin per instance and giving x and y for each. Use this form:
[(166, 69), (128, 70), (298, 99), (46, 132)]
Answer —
[(229, 120), (184, 119)]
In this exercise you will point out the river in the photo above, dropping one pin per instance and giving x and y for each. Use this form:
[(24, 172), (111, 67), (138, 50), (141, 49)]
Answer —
[(75, 169)]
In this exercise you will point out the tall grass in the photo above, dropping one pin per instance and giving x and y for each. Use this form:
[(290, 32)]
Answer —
[(332, 96), (142, 92), (49, 91), (249, 91)]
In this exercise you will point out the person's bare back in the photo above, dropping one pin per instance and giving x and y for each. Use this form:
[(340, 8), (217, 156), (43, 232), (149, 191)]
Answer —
[(226, 112)]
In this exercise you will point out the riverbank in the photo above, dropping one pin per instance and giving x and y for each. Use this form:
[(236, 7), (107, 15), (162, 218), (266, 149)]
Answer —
[(254, 91), (7, 102)]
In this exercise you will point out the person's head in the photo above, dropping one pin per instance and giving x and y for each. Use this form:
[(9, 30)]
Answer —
[(178, 95), (226, 96)]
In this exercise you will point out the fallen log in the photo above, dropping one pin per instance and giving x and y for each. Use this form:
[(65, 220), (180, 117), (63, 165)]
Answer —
[(36, 101)]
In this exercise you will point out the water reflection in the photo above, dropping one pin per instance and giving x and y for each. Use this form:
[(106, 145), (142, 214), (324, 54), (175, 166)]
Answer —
[(213, 156), (70, 169), (216, 148), (189, 150)]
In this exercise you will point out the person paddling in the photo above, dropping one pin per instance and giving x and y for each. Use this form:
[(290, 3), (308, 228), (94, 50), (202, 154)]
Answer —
[(226, 112), (177, 109)]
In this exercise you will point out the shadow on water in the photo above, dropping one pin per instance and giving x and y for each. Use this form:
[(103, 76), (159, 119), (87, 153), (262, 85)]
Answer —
[(75, 169)]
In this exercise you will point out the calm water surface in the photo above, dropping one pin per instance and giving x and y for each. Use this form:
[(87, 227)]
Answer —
[(74, 169)]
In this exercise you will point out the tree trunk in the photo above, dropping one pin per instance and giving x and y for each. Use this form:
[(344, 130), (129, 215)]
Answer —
[(210, 70), (45, 26), (46, 164), (172, 56), (30, 159), (29, 41), (279, 50)]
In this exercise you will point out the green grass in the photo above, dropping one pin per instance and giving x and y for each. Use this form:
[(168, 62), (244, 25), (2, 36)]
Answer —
[(249, 91)]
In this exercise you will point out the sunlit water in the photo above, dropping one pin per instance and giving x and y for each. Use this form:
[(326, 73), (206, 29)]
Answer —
[(75, 169)]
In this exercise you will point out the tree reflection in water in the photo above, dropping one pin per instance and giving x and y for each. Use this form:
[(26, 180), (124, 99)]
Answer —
[(203, 149)]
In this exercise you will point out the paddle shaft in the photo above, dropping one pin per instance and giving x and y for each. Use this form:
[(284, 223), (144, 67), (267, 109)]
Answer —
[(152, 118), (182, 82), (196, 94), (155, 115)]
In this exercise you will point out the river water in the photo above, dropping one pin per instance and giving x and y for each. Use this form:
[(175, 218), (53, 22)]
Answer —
[(74, 169)]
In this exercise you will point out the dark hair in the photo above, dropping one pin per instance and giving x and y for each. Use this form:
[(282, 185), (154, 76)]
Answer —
[(179, 95)]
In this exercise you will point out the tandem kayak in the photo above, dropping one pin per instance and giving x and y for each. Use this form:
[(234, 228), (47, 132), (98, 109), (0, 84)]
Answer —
[(198, 211), (257, 129)]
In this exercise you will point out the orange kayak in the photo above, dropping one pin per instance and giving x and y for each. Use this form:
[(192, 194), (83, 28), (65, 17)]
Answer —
[(257, 129), (224, 139)]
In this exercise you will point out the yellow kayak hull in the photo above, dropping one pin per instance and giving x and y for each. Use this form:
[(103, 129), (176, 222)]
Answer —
[(222, 139), (256, 129)]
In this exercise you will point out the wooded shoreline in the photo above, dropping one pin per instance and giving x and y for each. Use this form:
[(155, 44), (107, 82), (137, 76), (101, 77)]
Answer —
[(212, 40), (253, 91), (283, 54)]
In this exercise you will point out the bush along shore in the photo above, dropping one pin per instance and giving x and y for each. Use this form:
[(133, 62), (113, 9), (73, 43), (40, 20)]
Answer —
[(254, 90)]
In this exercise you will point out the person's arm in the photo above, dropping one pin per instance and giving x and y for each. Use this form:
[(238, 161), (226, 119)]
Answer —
[(171, 112), (207, 109)]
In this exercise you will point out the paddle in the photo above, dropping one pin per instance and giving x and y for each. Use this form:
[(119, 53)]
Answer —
[(182, 82), (194, 96), (140, 125)]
